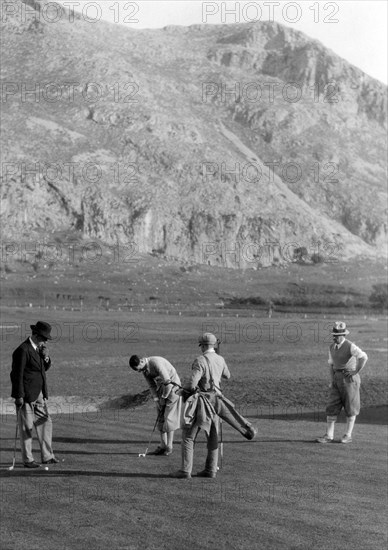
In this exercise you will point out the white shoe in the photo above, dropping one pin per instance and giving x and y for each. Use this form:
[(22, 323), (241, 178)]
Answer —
[(346, 439)]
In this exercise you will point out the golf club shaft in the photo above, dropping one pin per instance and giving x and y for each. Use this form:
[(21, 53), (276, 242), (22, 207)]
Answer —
[(218, 348), (16, 436), (152, 433), (221, 446)]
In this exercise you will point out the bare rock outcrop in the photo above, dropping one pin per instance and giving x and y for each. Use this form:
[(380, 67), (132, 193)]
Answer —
[(191, 142)]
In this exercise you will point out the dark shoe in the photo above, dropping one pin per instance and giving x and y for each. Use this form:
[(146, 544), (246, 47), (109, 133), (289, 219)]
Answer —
[(204, 473), (158, 451), (52, 460), (31, 464), (251, 432), (180, 475)]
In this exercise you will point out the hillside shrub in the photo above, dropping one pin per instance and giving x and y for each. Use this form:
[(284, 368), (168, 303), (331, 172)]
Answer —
[(379, 296)]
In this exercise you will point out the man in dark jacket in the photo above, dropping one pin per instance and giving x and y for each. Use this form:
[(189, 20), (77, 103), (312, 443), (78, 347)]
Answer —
[(30, 361)]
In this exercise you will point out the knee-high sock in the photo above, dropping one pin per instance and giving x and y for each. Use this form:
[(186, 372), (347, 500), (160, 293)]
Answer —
[(331, 420), (170, 439), (350, 424)]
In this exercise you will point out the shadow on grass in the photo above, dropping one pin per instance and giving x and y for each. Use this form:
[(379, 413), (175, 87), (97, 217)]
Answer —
[(72, 452), (372, 415), (68, 473), (79, 440), (269, 440)]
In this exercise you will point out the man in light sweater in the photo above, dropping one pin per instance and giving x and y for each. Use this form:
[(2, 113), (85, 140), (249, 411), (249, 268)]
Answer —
[(346, 360), (162, 378)]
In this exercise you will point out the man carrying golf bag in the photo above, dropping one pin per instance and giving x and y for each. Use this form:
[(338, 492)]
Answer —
[(204, 407)]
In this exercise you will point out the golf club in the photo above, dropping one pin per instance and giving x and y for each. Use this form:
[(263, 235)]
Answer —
[(16, 437), (221, 446), (218, 348), (143, 455)]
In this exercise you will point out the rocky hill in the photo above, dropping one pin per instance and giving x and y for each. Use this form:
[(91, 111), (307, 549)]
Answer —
[(187, 141)]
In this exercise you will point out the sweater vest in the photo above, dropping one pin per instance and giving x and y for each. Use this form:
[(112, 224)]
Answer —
[(342, 358)]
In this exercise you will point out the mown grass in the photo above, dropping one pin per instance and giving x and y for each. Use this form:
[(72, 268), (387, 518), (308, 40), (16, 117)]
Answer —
[(282, 491), (280, 361)]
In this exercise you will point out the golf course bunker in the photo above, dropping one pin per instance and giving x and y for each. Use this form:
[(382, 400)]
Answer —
[(75, 404)]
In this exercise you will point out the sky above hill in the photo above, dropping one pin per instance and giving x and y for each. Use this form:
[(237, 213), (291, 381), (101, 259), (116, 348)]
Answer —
[(354, 29)]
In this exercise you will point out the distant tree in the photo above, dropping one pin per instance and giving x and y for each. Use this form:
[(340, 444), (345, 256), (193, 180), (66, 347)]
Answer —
[(379, 296), (300, 254), (317, 258)]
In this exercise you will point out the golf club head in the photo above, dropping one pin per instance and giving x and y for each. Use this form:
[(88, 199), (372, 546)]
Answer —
[(10, 468), (142, 455)]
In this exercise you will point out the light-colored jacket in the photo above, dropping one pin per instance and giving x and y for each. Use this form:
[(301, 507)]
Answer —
[(207, 371), (158, 373)]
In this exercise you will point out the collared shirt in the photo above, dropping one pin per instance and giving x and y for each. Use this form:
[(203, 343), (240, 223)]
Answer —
[(45, 359), (33, 344)]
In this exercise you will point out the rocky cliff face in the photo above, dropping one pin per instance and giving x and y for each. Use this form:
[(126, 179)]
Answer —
[(202, 143)]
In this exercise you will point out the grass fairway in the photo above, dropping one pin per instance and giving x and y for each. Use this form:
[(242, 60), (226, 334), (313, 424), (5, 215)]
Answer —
[(281, 491)]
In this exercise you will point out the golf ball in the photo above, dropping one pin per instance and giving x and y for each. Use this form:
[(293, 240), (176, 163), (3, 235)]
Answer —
[(46, 468)]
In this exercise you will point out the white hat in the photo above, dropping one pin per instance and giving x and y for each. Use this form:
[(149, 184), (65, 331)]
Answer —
[(339, 329)]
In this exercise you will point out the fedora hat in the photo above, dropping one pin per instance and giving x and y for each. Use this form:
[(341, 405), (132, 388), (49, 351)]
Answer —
[(207, 339), (43, 329), (339, 329)]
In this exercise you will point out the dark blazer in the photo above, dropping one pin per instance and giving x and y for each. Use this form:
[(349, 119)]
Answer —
[(28, 375)]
